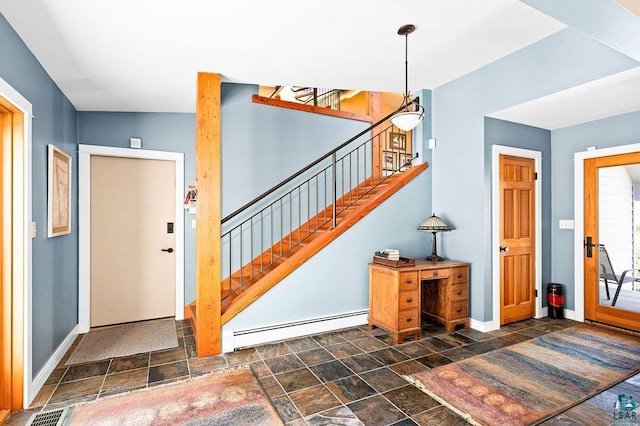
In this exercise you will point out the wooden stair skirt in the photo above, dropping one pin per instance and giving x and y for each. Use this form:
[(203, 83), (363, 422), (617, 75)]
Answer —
[(260, 283)]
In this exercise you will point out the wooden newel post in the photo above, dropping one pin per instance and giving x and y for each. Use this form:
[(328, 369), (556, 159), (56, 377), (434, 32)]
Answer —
[(208, 314)]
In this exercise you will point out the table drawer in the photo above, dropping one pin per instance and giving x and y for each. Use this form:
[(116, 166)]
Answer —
[(459, 310), (409, 318), (409, 299), (459, 292), (432, 274), (408, 281), (459, 275)]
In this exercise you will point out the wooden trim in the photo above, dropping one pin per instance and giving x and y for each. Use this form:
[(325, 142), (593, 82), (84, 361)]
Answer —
[(318, 243), (208, 330), (257, 99)]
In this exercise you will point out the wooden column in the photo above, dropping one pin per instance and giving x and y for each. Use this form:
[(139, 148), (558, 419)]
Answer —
[(208, 327)]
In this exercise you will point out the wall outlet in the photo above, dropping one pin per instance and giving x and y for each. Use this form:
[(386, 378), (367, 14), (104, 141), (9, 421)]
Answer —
[(193, 224), (34, 230), (432, 143)]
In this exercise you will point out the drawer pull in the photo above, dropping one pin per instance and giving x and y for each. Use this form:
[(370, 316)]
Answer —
[(435, 273), (409, 299), (459, 309), (459, 274), (409, 280), (459, 292), (409, 319)]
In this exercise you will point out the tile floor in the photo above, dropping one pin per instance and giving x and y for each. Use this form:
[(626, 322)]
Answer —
[(351, 376)]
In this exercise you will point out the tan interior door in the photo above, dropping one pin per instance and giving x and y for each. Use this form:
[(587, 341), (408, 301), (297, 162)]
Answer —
[(132, 203), (595, 310), (517, 239)]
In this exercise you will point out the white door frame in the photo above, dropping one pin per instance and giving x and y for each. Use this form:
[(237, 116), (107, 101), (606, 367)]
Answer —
[(496, 151), (578, 213), (22, 258), (84, 222)]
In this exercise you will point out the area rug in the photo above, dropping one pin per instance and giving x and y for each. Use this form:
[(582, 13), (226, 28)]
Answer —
[(534, 380), (124, 340), (229, 397)]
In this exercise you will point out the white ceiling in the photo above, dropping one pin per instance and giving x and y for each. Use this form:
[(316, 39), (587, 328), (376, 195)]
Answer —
[(143, 55)]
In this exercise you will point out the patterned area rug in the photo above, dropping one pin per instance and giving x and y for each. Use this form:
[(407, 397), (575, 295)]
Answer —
[(534, 380), (125, 340), (222, 398)]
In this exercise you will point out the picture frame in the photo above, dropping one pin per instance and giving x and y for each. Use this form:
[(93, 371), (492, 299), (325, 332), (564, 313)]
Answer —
[(404, 159), (58, 192), (389, 162), (398, 141)]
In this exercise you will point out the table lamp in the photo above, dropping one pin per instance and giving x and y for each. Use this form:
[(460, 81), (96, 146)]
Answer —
[(434, 224)]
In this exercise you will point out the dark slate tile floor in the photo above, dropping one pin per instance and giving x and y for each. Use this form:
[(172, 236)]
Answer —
[(347, 377)]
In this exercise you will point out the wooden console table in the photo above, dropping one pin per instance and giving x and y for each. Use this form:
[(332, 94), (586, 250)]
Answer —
[(398, 296)]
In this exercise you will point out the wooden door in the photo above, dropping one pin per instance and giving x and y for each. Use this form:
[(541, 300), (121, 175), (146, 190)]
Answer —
[(598, 308), (517, 239), (132, 269)]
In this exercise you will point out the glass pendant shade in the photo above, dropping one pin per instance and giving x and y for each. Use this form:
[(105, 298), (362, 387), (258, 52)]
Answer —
[(408, 120)]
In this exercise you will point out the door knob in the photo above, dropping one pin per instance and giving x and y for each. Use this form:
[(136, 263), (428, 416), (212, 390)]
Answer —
[(504, 249), (169, 250)]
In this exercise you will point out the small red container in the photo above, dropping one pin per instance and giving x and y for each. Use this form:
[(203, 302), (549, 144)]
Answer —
[(555, 301)]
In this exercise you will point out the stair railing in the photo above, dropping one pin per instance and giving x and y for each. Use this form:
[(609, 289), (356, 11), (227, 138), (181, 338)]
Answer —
[(290, 213)]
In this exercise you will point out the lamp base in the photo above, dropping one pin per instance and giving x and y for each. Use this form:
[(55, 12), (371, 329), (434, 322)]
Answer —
[(434, 258)]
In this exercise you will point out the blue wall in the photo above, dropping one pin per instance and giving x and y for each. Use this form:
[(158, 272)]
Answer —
[(499, 132), (565, 59), (614, 131), (262, 145), (55, 260)]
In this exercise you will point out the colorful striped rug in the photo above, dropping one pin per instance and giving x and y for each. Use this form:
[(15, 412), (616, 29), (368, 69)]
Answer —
[(531, 381)]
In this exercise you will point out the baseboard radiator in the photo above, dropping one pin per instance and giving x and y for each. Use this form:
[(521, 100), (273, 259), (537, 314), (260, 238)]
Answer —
[(237, 339)]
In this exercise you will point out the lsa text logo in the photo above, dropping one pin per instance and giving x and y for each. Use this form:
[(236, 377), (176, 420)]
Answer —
[(624, 408)]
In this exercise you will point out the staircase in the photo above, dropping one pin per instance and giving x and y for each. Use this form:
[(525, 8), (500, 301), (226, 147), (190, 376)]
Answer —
[(269, 237)]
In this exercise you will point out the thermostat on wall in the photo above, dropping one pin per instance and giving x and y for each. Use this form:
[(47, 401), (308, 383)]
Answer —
[(135, 143)]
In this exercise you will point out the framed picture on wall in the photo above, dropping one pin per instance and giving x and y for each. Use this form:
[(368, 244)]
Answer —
[(398, 141), (405, 161), (58, 193), (389, 162)]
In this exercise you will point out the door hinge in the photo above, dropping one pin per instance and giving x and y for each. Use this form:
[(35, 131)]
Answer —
[(535, 176), (536, 292)]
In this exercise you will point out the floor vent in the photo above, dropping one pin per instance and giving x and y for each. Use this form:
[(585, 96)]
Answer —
[(49, 418)]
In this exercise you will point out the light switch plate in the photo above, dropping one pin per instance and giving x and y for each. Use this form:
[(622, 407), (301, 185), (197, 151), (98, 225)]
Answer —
[(566, 223)]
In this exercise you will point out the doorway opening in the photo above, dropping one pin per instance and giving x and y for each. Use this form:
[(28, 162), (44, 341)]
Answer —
[(610, 277), (85, 154), (535, 273), (15, 247)]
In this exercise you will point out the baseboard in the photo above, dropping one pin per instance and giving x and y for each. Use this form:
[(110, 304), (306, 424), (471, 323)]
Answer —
[(234, 339), (50, 365), (570, 314), (483, 326)]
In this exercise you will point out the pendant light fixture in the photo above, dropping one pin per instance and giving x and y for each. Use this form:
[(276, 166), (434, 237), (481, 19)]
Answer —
[(412, 113)]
